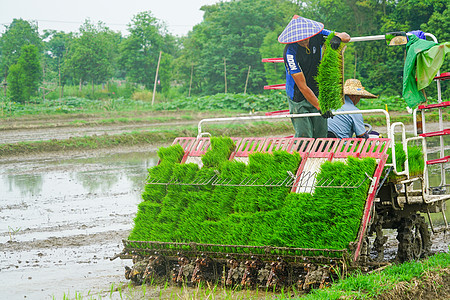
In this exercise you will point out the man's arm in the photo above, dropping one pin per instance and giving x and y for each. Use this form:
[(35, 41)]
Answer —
[(300, 81), (358, 126)]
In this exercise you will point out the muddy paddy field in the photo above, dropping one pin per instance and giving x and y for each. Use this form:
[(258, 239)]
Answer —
[(63, 216)]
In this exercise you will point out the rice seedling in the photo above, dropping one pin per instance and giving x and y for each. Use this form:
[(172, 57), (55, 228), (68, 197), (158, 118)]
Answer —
[(416, 161), (329, 78)]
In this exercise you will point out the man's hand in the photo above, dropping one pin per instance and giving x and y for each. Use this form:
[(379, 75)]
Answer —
[(327, 114), (335, 42)]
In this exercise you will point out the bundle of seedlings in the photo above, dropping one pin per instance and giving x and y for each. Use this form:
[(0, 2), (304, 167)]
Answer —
[(329, 77), (416, 160), (163, 171), (159, 216), (153, 195), (256, 208), (329, 218)]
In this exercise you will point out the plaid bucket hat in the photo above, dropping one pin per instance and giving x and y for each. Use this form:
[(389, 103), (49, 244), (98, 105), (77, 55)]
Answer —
[(299, 29), (354, 87)]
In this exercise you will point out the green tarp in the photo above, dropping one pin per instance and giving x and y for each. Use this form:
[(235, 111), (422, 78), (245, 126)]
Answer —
[(423, 60)]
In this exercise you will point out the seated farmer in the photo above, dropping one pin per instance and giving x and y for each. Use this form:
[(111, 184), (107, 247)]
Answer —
[(343, 126), (304, 39)]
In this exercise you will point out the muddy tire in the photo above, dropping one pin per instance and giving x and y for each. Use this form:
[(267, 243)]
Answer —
[(414, 238)]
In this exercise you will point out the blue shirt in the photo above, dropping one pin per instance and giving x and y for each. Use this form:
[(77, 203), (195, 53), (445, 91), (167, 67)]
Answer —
[(300, 59), (345, 125)]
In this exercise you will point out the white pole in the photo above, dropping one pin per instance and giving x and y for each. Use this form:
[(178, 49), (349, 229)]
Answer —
[(156, 78), (190, 83), (225, 69), (246, 81)]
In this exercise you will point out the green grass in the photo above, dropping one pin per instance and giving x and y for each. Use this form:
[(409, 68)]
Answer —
[(74, 105), (359, 286), (157, 137)]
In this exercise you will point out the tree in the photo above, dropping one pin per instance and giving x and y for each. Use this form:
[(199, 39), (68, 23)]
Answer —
[(30, 62), (56, 48), (270, 48), (139, 52), (24, 76), (232, 33), (91, 54), (17, 34), (15, 78)]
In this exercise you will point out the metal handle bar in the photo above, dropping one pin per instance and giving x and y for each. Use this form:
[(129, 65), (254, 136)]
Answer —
[(259, 118)]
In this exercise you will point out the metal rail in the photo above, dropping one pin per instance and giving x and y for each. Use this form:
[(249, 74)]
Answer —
[(261, 118)]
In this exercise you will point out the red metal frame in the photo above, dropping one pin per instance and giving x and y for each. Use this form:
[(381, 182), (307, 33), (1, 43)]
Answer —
[(437, 105), (369, 203), (436, 133), (278, 112), (304, 157), (375, 148), (273, 60), (275, 144), (300, 145), (200, 147), (281, 86), (442, 160), (349, 147), (324, 147), (249, 145), (443, 76)]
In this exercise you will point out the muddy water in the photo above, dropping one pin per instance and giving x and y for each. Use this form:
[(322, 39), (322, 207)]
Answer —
[(61, 220)]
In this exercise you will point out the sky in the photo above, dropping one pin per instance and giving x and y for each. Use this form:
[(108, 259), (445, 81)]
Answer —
[(179, 15)]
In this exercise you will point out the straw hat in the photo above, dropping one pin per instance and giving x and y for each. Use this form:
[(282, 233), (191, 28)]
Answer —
[(299, 29), (354, 87)]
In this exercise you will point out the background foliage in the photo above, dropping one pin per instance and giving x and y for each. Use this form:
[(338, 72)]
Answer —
[(223, 53)]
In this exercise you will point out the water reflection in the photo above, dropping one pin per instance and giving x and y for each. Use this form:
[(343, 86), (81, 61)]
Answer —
[(28, 185), (93, 181), (65, 197), (99, 174)]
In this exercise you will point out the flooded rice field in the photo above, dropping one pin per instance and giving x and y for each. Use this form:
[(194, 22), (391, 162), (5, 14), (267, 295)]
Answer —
[(62, 218)]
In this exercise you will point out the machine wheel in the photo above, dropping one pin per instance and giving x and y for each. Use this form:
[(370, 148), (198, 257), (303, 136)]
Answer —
[(414, 238)]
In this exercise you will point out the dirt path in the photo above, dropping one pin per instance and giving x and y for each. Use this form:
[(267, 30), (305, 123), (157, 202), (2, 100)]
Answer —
[(60, 133)]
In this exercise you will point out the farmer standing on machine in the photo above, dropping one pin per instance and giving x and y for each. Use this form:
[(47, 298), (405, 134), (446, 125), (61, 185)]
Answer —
[(344, 126), (302, 55)]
